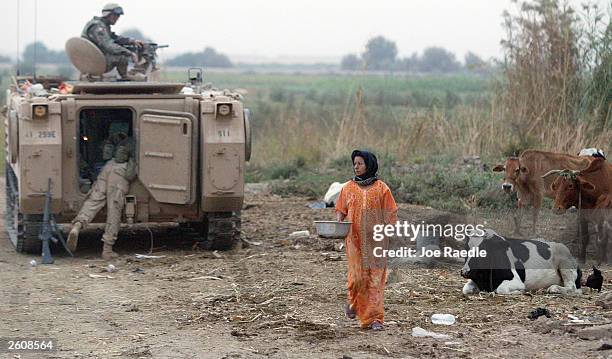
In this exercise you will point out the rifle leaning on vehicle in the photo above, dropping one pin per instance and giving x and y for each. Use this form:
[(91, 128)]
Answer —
[(50, 231)]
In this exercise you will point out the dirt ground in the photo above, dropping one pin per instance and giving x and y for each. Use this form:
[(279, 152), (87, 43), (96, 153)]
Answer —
[(281, 298)]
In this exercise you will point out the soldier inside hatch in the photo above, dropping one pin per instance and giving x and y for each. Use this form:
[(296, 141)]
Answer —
[(110, 189)]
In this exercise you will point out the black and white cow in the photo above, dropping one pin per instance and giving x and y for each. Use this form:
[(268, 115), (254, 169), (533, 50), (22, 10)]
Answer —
[(512, 266)]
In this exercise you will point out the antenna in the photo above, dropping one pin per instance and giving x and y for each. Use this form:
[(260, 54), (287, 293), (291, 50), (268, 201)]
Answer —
[(35, 43), (18, 16)]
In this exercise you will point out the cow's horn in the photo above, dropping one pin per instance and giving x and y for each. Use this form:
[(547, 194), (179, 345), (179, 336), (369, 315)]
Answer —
[(551, 172)]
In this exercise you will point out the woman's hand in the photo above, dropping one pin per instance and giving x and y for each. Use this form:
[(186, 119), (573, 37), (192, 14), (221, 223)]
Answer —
[(340, 216)]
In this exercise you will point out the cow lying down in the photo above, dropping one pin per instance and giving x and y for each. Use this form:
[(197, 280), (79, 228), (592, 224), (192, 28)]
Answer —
[(512, 266)]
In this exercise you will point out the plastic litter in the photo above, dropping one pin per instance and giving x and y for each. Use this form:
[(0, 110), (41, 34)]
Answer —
[(299, 234), (443, 319), (110, 268), (146, 256), (575, 319), (33, 263), (318, 205), (332, 194), (421, 333)]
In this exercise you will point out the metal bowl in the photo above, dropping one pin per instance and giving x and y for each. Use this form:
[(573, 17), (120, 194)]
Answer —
[(332, 229)]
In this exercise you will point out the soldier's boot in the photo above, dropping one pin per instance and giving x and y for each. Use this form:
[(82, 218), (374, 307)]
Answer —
[(136, 74), (107, 252), (73, 236), (122, 69)]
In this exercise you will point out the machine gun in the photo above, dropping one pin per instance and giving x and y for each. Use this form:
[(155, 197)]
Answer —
[(50, 230), (147, 53)]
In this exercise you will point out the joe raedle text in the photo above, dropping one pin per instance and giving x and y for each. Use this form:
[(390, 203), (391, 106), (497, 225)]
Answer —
[(447, 252)]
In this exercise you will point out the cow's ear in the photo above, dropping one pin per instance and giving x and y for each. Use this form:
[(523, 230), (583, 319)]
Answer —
[(499, 168), (585, 185)]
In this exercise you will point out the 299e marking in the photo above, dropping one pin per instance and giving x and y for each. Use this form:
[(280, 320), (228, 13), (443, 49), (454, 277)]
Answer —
[(41, 134)]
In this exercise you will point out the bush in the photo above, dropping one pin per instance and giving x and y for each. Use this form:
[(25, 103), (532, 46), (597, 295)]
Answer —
[(447, 187), (209, 57)]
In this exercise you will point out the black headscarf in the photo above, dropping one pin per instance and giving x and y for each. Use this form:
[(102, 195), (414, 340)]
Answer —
[(371, 164)]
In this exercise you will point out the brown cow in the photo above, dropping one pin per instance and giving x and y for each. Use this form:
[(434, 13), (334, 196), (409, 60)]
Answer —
[(590, 190), (523, 174)]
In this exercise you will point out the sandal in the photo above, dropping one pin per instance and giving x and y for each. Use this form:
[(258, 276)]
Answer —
[(349, 312), (376, 325)]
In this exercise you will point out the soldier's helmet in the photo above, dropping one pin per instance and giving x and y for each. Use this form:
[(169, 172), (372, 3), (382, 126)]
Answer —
[(112, 8)]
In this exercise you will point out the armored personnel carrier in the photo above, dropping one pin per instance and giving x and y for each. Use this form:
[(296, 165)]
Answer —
[(190, 145)]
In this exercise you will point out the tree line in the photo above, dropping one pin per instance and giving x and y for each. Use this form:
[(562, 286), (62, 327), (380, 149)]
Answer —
[(38, 52), (380, 54)]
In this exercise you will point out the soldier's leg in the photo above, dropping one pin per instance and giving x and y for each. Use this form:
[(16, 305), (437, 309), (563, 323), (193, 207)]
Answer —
[(90, 208), (120, 62), (114, 210), (141, 67)]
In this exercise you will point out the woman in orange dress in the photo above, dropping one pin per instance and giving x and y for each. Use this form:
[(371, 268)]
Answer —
[(365, 201)]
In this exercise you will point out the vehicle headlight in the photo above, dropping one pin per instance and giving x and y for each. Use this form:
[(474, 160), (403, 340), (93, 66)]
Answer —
[(224, 109), (39, 111)]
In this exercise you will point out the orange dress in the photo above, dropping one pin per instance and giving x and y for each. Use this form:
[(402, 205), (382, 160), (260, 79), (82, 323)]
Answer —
[(365, 207)]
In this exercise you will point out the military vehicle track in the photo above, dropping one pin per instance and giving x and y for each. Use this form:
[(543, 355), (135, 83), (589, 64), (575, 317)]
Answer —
[(223, 230), (23, 229), (220, 231)]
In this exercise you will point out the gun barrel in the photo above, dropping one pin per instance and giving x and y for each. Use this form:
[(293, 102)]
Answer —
[(162, 46)]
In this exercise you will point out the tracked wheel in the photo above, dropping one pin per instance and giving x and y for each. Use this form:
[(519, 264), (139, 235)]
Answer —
[(23, 229), (219, 231)]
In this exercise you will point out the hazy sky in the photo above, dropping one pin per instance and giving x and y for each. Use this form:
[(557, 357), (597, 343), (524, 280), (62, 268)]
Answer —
[(298, 29)]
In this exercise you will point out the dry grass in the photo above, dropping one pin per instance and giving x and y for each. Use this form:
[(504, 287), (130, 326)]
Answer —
[(467, 131)]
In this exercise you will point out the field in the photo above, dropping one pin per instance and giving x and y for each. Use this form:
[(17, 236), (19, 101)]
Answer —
[(421, 127)]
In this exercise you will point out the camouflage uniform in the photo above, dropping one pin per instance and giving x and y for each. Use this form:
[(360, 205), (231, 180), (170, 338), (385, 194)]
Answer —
[(110, 189), (98, 31)]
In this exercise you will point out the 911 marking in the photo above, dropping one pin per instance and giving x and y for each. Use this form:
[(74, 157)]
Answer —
[(224, 132), (46, 134)]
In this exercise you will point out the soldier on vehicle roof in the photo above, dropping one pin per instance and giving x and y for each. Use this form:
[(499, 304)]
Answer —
[(98, 31)]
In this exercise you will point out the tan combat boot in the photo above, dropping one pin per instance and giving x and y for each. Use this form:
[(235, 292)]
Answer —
[(107, 252), (73, 236), (135, 76)]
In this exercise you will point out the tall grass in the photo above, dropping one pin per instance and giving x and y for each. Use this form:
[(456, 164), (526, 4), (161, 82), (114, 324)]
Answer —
[(556, 84)]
